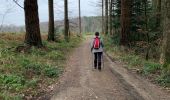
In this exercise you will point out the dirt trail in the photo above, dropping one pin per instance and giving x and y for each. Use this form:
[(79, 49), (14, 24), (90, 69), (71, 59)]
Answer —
[(80, 82)]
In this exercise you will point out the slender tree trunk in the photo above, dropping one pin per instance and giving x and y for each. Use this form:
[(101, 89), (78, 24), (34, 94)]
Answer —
[(125, 21), (158, 15), (51, 21), (106, 17), (79, 17), (165, 56), (32, 37), (66, 21), (102, 16), (111, 16), (146, 31)]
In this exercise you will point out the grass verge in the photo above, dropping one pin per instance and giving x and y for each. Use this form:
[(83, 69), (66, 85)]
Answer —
[(149, 69), (24, 75)]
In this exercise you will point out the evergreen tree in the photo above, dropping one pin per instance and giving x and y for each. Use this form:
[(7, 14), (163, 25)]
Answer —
[(106, 17), (116, 13), (125, 21)]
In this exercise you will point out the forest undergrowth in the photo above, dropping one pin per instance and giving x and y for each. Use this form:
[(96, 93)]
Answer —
[(26, 74), (134, 59)]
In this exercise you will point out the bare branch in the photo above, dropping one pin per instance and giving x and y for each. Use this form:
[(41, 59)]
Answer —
[(16, 2), (3, 18)]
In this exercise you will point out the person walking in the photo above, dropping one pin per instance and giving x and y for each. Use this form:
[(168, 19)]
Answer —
[(97, 50)]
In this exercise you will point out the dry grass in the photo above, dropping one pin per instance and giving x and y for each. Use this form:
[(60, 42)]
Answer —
[(12, 37), (16, 37)]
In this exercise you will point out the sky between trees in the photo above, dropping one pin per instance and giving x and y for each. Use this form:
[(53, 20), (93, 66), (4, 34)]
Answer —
[(15, 16)]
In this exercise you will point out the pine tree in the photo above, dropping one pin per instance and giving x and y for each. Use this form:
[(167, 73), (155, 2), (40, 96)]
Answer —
[(116, 13), (111, 16), (125, 21), (158, 13), (106, 17), (102, 16)]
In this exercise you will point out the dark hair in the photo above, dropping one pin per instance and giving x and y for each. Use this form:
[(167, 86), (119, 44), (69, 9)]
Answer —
[(97, 34)]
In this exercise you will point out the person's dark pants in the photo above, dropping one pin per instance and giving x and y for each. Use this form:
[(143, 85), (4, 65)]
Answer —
[(97, 60)]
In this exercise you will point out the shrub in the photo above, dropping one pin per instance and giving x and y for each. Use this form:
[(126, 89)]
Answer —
[(52, 72), (12, 82), (164, 79), (35, 68), (151, 67)]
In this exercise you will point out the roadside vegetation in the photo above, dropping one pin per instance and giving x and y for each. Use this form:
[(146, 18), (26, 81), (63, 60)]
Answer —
[(137, 32), (26, 74), (150, 69)]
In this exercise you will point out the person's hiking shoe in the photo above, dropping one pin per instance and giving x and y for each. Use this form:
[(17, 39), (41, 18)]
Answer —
[(99, 68)]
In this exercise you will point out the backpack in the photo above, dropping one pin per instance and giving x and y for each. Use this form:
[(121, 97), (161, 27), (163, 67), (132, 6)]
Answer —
[(96, 42)]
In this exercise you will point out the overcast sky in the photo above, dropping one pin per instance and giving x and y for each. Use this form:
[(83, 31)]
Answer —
[(15, 14)]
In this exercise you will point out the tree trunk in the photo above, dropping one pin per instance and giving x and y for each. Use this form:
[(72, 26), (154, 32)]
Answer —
[(102, 16), (106, 17), (125, 21), (111, 16), (79, 18), (32, 37), (146, 31), (158, 15), (66, 21), (51, 36), (165, 56)]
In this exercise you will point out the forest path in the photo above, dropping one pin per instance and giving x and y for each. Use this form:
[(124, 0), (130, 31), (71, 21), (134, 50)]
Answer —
[(114, 82)]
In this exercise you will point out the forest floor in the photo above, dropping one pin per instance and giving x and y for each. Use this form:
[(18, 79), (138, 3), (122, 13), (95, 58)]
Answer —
[(81, 82), (27, 74)]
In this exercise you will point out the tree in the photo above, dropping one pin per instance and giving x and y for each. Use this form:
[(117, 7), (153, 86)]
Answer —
[(102, 16), (116, 13), (32, 37), (51, 36), (146, 30), (125, 21), (106, 17), (66, 21), (165, 56), (158, 13), (111, 16), (79, 18)]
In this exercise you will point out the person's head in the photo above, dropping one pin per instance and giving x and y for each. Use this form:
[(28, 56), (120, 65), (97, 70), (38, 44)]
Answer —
[(97, 34)]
